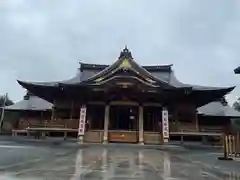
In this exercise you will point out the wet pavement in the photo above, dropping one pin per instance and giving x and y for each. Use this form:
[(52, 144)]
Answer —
[(38, 162)]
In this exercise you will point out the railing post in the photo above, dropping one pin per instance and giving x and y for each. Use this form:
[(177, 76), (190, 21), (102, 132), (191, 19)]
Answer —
[(225, 148), (237, 145), (233, 145), (229, 145)]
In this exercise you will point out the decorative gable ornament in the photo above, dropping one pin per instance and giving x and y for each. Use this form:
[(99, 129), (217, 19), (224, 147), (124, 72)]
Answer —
[(125, 54), (99, 79), (125, 64)]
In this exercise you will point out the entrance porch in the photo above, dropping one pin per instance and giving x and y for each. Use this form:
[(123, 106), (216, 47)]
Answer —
[(124, 122)]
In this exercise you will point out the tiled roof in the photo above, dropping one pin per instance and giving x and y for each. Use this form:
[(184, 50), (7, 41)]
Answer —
[(33, 103), (163, 73), (217, 109)]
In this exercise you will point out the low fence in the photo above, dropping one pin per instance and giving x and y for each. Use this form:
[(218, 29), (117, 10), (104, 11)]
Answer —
[(231, 146)]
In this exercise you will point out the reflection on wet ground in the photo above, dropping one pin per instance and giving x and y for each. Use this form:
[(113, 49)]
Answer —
[(91, 163)]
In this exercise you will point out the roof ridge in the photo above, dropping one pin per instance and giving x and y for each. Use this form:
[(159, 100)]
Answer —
[(97, 65)]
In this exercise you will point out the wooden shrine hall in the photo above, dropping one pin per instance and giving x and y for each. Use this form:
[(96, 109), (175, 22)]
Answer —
[(121, 102)]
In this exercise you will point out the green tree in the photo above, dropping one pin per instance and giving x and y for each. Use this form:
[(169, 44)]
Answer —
[(236, 105), (235, 123), (7, 102), (7, 117)]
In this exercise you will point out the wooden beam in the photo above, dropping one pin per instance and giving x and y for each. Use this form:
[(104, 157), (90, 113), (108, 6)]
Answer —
[(124, 103), (152, 104), (96, 102)]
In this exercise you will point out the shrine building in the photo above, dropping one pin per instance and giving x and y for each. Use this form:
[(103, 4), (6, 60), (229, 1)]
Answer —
[(121, 102)]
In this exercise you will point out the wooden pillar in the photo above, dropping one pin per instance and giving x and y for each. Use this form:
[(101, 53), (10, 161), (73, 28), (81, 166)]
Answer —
[(72, 110), (106, 122), (81, 126), (53, 111), (42, 118), (165, 125), (70, 114), (140, 125), (197, 122)]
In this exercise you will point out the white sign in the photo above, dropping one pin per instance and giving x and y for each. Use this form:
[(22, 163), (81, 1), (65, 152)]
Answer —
[(165, 125), (82, 119)]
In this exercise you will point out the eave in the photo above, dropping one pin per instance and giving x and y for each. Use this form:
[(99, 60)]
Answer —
[(58, 90), (203, 97), (41, 90)]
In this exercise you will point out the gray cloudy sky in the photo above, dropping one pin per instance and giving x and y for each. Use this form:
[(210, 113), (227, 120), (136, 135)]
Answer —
[(44, 40)]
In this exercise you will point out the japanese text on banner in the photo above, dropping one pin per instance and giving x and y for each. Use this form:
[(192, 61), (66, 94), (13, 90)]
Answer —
[(82, 120), (165, 125)]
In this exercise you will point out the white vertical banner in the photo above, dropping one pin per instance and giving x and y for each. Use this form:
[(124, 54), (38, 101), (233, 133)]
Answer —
[(82, 120), (165, 124)]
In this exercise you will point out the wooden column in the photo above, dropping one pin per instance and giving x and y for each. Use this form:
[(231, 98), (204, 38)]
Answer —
[(70, 114), (72, 109), (197, 123), (53, 111), (42, 118), (140, 125), (106, 122)]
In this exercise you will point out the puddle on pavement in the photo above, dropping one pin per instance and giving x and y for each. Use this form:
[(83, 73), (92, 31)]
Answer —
[(92, 164)]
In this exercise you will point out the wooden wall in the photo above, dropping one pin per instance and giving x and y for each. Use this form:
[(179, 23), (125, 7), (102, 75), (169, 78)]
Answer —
[(93, 136), (33, 122), (152, 138), (27, 122), (184, 117)]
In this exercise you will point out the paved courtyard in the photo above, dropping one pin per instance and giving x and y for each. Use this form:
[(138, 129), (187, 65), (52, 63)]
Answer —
[(42, 162)]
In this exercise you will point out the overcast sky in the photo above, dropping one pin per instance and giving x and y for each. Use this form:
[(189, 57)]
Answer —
[(44, 40)]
